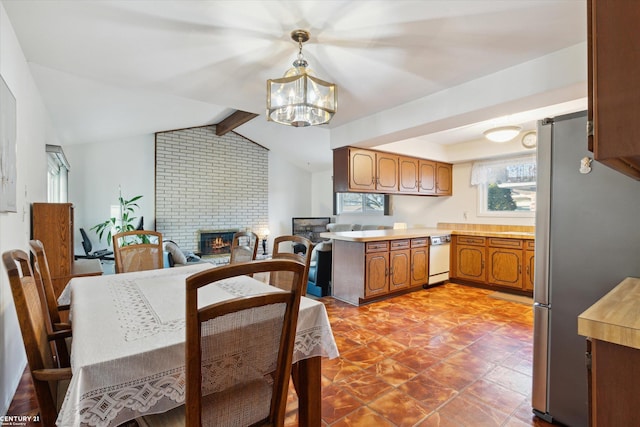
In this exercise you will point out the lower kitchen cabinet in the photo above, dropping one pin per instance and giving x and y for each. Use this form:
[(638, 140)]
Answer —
[(505, 262), (613, 384), (496, 262), (400, 265), (366, 271), (377, 274), (469, 258), (419, 262)]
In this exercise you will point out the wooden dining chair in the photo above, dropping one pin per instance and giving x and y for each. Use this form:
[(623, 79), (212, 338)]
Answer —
[(49, 381), (238, 352), (244, 247), (137, 250), (52, 309), (292, 247)]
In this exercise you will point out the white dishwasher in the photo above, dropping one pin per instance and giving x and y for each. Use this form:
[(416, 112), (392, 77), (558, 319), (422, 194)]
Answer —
[(439, 253)]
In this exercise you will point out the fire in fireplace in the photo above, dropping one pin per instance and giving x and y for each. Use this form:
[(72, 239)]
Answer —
[(217, 242)]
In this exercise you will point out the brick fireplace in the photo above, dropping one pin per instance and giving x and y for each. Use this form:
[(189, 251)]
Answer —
[(215, 242), (206, 182)]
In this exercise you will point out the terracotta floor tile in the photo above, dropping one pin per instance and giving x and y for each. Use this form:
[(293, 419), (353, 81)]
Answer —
[(366, 385), (400, 408), (363, 417), (511, 379), (447, 356), (468, 411)]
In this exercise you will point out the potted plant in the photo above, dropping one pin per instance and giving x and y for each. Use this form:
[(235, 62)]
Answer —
[(124, 223)]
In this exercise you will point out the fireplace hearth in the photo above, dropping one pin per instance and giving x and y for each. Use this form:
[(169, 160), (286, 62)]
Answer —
[(216, 242)]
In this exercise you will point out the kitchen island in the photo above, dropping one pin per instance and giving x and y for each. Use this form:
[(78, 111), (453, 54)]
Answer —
[(373, 264), (612, 328)]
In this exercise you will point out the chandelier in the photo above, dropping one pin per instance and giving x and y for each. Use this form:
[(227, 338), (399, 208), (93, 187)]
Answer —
[(299, 98)]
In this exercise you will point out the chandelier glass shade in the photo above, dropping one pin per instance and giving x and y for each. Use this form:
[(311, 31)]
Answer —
[(299, 98), (502, 133)]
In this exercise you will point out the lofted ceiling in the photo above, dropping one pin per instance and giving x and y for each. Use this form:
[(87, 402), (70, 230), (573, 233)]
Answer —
[(117, 69)]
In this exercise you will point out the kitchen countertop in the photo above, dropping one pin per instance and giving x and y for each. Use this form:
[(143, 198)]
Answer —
[(389, 234), (503, 234), (615, 317)]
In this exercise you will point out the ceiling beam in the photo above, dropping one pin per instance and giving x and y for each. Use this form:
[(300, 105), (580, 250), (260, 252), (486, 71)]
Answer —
[(236, 119)]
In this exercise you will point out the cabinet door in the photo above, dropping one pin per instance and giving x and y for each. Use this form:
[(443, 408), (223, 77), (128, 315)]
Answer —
[(408, 175), (419, 266), (529, 262), (443, 179), (427, 177), (400, 263), (362, 168), (376, 274), (387, 172), (505, 267), (614, 83), (470, 263)]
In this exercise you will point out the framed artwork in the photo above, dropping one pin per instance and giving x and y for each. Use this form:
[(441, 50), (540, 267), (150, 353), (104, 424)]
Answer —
[(8, 170)]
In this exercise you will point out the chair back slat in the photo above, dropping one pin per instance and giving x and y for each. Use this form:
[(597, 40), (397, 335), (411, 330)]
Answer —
[(239, 352), (244, 247), (295, 248), (28, 298), (137, 250)]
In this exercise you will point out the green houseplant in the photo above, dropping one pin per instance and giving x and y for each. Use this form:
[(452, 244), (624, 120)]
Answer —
[(124, 223)]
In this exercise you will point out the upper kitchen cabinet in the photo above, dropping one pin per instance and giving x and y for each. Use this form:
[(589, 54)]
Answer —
[(614, 83), (361, 170)]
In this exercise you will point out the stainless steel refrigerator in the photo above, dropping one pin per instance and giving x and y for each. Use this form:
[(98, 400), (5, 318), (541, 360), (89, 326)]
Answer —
[(587, 241)]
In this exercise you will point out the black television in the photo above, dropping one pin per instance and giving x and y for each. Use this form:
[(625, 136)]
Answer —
[(310, 227)]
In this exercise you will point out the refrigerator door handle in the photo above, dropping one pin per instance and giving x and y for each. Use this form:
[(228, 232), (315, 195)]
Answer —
[(543, 213)]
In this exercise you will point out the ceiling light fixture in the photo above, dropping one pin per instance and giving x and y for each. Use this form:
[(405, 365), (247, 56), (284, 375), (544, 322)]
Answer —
[(502, 133), (299, 98)]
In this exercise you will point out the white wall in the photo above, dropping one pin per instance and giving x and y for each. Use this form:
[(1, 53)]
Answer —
[(419, 211), (97, 173), (34, 131)]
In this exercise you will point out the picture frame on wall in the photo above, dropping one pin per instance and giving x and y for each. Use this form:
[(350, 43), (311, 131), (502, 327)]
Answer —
[(8, 148)]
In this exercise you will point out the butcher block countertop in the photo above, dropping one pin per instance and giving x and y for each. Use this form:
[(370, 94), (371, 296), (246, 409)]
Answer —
[(502, 234), (615, 317), (390, 234)]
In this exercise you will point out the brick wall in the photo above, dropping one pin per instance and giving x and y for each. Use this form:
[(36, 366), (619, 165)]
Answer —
[(209, 182)]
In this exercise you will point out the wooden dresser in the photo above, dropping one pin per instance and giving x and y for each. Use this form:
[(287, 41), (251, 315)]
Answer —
[(52, 224)]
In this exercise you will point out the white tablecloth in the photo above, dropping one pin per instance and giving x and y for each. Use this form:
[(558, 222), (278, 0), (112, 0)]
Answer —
[(127, 355)]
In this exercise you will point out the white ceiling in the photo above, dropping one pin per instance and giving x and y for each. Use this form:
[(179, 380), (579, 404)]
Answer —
[(115, 69)]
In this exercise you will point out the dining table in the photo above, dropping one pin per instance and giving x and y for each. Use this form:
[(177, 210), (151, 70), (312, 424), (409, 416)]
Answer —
[(128, 347)]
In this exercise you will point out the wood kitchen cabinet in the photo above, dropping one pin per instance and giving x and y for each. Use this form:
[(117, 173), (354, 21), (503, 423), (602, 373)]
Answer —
[(400, 265), (362, 170), (52, 224), (376, 269), (419, 262), (409, 175), (469, 258), (504, 259), (614, 83), (495, 262), (443, 179)]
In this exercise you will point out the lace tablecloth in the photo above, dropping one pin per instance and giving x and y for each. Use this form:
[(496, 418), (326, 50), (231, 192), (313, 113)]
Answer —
[(127, 355)]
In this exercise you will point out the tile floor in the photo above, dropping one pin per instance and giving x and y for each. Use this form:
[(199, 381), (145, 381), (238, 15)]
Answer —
[(447, 356)]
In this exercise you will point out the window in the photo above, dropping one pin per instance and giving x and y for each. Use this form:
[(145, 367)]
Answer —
[(506, 187), (361, 203), (57, 174)]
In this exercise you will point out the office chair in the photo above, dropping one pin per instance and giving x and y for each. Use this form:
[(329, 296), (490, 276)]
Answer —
[(101, 254)]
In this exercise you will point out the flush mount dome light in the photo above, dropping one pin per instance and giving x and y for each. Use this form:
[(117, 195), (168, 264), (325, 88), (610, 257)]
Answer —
[(502, 133), (299, 98)]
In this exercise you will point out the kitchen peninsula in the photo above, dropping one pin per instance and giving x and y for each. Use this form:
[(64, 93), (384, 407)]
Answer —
[(371, 264)]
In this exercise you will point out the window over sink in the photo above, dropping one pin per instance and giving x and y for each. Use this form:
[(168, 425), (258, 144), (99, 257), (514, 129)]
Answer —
[(506, 187)]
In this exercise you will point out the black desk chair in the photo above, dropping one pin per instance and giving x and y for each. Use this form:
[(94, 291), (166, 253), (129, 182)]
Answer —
[(102, 254)]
